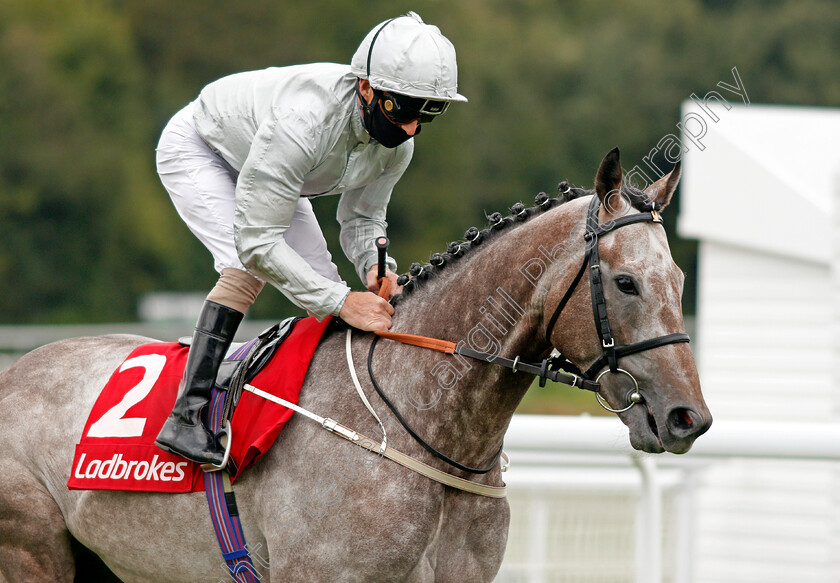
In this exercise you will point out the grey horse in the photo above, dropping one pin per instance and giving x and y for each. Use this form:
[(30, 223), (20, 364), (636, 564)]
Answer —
[(317, 508)]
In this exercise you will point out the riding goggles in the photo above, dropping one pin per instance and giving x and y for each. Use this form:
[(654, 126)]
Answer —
[(402, 109)]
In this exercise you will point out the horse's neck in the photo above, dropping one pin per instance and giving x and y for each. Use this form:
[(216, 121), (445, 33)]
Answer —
[(484, 301)]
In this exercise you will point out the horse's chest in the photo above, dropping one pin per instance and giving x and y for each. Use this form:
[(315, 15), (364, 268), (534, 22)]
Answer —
[(471, 535)]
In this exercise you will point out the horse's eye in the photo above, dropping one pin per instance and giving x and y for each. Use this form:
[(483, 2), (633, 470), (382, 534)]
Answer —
[(626, 285)]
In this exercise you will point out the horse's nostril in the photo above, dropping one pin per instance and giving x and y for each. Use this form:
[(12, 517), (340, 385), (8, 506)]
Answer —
[(683, 421)]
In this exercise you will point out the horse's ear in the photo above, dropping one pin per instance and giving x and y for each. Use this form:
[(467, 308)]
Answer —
[(608, 177), (663, 189)]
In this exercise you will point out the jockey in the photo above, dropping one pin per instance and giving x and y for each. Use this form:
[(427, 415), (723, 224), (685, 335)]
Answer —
[(241, 162)]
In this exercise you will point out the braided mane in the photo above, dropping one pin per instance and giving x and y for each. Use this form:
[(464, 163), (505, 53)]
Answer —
[(519, 213)]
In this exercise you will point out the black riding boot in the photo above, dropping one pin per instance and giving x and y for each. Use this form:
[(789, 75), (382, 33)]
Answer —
[(184, 433)]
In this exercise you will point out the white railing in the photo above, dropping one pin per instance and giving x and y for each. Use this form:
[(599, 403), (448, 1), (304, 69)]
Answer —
[(593, 455)]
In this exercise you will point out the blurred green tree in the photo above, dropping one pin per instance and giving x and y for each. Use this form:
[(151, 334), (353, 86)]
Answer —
[(82, 237), (87, 85)]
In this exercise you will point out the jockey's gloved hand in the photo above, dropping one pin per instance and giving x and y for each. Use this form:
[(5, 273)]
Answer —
[(373, 283), (366, 311)]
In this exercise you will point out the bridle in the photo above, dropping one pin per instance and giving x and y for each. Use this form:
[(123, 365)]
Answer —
[(550, 367), (591, 262)]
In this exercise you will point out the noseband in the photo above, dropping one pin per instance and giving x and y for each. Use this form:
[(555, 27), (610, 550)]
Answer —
[(611, 353)]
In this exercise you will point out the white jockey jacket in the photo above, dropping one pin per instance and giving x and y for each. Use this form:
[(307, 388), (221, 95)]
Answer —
[(291, 132)]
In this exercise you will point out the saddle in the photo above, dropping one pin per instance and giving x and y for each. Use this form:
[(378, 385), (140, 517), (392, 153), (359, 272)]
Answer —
[(245, 360), (116, 449)]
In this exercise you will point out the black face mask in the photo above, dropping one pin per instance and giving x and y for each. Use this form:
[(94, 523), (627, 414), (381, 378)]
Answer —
[(379, 126)]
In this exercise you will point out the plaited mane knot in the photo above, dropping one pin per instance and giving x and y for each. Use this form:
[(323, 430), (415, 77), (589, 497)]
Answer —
[(496, 221), (419, 271), (473, 235), (456, 249)]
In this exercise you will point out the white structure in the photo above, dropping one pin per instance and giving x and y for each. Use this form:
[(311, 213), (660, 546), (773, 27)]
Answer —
[(587, 508), (762, 198), (758, 498)]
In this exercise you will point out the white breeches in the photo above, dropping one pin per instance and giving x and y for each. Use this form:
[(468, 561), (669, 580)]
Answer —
[(202, 187)]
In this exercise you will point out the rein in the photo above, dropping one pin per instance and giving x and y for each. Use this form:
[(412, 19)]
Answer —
[(414, 434), (543, 371)]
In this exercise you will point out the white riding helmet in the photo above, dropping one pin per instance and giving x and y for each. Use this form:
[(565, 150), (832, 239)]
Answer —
[(406, 56)]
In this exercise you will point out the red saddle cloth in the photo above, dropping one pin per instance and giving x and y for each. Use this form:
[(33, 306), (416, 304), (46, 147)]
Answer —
[(117, 450)]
